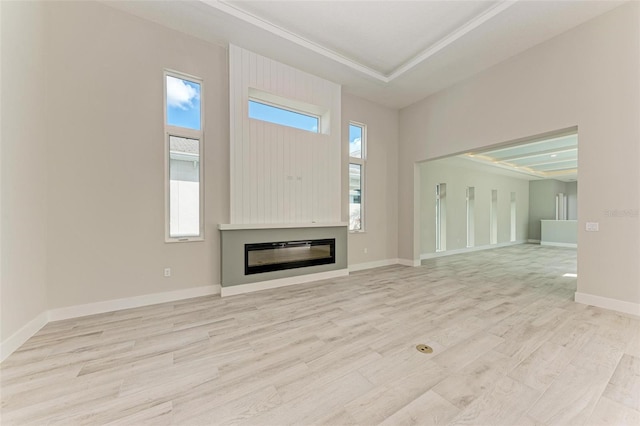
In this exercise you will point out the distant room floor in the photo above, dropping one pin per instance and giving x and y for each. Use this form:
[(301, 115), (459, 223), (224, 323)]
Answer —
[(509, 347)]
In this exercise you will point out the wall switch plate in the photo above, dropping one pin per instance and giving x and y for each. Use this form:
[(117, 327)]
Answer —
[(167, 272), (592, 226)]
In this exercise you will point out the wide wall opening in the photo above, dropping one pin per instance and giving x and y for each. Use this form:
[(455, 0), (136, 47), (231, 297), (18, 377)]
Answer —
[(500, 195)]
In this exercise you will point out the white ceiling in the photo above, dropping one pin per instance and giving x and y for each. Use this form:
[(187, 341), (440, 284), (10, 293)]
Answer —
[(550, 158), (391, 52), (380, 35)]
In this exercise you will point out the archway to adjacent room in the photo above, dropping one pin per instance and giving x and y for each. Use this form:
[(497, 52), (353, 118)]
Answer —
[(517, 192)]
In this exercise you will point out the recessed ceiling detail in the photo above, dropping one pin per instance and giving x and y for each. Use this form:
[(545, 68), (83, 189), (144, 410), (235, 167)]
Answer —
[(381, 39), (393, 53), (555, 158)]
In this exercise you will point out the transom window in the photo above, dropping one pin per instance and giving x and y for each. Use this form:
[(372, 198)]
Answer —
[(283, 116)]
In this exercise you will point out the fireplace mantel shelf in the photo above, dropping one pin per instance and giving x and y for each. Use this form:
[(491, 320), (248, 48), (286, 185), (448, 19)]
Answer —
[(238, 226)]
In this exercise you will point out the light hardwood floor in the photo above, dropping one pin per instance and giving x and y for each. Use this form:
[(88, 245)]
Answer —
[(510, 347)]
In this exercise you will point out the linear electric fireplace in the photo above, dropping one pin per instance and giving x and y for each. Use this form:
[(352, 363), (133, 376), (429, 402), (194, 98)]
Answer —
[(277, 256)]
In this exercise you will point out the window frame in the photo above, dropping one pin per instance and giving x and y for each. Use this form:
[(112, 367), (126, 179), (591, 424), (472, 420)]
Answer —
[(293, 105), (182, 132), (362, 162), (288, 109), (471, 201), (441, 217)]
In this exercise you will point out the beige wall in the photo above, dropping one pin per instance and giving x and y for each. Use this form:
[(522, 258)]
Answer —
[(457, 179), (82, 152), (106, 159), (586, 77), (381, 200), (23, 291)]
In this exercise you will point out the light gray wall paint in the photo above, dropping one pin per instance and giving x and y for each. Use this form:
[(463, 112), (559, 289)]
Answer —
[(559, 231), (23, 175), (106, 159), (586, 78), (381, 180), (571, 189), (542, 203), (457, 180)]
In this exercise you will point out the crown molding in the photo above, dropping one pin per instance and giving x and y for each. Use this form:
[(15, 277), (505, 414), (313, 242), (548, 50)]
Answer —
[(407, 66)]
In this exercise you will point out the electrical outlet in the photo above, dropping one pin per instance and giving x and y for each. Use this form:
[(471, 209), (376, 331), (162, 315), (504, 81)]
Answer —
[(592, 226), (167, 272)]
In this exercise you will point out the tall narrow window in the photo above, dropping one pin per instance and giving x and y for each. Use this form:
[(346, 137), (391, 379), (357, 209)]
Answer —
[(441, 217), (471, 201), (513, 217), (183, 150), (561, 206), (493, 214), (357, 158)]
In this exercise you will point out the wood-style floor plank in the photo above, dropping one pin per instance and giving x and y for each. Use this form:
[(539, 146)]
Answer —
[(510, 347)]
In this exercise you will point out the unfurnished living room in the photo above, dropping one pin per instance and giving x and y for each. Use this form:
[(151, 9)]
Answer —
[(320, 212)]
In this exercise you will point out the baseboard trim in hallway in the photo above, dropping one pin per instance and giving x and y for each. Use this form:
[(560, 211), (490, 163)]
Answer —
[(426, 256), (607, 303)]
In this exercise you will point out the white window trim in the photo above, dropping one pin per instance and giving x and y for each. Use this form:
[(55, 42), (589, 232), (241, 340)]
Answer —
[(362, 162), (441, 218), (184, 133), (288, 104), (284, 108)]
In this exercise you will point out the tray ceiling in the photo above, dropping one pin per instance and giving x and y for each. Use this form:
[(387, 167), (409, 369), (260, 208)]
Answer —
[(391, 52), (551, 158)]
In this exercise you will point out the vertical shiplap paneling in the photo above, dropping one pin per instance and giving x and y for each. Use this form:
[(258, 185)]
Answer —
[(253, 144), (245, 141), (236, 114), (235, 118), (289, 217), (280, 174), (261, 177), (266, 75)]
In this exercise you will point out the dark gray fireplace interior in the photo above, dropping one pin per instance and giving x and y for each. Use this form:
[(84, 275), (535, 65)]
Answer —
[(280, 255)]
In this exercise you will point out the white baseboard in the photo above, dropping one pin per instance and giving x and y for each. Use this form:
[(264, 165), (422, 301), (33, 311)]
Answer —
[(552, 244), (17, 339), (11, 344), (281, 282), (468, 250), (370, 265), (130, 302), (607, 303), (409, 262), (533, 241)]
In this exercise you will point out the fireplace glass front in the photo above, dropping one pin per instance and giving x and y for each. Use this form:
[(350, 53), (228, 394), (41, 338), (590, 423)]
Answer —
[(276, 256)]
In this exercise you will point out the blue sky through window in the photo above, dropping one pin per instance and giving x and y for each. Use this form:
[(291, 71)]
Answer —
[(183, 103), (284, 117), (355, 141)]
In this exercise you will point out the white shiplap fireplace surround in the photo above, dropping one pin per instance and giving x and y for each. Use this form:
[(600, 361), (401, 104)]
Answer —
[(285, 182)]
